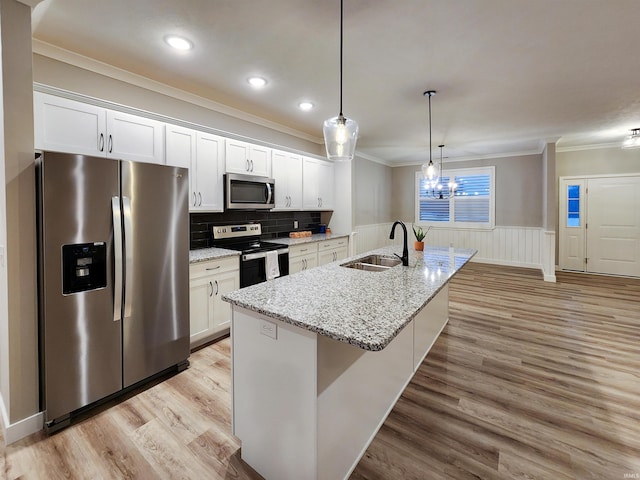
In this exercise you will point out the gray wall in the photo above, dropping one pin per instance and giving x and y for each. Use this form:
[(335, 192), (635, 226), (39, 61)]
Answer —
[(372, 192), (519, 186), (612, 160)]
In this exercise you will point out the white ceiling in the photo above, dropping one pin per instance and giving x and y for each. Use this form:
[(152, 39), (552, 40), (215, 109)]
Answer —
[(510, 74)]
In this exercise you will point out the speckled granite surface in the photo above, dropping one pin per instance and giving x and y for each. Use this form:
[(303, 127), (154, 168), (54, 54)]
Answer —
[(316, 237), (204, 254), (365, 309)]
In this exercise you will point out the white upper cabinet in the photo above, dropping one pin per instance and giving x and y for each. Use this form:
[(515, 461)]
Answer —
[(209, 172), (203, 154), (69, 126), (287, 172), (130, 137), (317, 184), (63, 125), (243, 157)]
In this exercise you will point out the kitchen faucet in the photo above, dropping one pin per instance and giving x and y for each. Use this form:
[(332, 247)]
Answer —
[(405, 249)]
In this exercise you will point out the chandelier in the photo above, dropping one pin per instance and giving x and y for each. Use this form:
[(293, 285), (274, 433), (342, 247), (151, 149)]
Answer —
[(435, 189)]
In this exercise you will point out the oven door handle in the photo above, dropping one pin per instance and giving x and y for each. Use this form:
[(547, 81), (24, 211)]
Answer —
[(254, 256)]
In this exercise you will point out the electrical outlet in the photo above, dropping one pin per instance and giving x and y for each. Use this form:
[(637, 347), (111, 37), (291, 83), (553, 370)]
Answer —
[(295, 224), (269, 329)]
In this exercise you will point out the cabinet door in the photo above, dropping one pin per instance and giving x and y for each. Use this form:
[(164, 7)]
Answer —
[(310, 184), (201, 291), (260, 161), (237, 156), (180, 151), (223, 283), (303, 262), (180, 146), (295, 182), (287, 172), (326, 185), (208, 172), (131, 137), (326, 257), (64, 125)]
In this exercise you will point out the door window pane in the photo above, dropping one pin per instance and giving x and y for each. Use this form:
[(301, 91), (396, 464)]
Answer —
[(573, 205)]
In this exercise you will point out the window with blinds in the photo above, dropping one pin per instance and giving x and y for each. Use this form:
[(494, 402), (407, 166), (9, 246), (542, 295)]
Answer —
[(472, 205)]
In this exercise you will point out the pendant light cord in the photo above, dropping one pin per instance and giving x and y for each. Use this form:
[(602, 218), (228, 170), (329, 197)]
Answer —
[(341, 20), (430, 161)]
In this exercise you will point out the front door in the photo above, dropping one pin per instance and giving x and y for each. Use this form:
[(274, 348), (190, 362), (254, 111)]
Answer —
[(613, 226)]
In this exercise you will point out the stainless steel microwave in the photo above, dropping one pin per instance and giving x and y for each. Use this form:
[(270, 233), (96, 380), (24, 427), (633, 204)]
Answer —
[(248, 192)]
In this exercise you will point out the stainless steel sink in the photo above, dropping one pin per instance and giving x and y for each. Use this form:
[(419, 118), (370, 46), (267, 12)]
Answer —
[(373, 263)]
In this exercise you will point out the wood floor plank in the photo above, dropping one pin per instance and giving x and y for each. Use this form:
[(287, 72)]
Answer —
[(529, 380)]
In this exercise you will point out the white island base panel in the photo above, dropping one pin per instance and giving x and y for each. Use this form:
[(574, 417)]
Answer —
[(306, 406)]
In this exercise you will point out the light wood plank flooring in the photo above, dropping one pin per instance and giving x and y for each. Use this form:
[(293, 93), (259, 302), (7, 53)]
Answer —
[(529, 380)]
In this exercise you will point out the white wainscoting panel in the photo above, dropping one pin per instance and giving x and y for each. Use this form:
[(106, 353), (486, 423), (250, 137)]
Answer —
[(515, 246)]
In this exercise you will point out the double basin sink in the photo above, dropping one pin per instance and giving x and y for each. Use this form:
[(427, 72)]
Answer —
[(373, 263)]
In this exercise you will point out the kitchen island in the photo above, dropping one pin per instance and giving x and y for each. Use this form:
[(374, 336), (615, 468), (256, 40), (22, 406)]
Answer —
[(321, 357)]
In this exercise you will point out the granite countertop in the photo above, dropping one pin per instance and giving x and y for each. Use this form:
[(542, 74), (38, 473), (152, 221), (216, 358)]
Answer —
[(316, 237), (362, 308), (204, 254)]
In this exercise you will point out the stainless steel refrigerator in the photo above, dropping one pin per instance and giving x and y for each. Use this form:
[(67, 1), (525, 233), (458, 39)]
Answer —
[(113, 277)]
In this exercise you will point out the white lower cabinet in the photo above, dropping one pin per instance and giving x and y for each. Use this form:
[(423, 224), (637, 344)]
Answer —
[(210, 316), (333, 250), (303, 257), (314, 254)]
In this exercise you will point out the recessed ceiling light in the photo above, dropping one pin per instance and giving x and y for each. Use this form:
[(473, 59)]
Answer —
[(305, 106), (179, 43), (257, 82)]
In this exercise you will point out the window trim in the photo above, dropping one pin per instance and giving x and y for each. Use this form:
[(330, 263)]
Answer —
[(452, 224)]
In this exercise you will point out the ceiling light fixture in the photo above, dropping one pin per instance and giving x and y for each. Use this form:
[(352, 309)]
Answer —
[(305, 106), (429, 170), (179, 43), (257, 82), (340, 133), (633, 140), (437, 189)]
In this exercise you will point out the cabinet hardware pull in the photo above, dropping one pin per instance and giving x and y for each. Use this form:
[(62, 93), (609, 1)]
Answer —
[(247, 166), (304, 249), (101, 143), (252, 165), (213, 268), (110, 143), (200, 197), (195, 203), (211, 286), (217, 287)]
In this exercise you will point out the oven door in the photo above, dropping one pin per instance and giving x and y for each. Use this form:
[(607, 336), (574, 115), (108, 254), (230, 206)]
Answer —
[(248, 192), (253, 270)]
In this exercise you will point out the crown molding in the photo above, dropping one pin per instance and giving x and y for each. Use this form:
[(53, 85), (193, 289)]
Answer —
[(101, 68), (374, 159), (593, 146)]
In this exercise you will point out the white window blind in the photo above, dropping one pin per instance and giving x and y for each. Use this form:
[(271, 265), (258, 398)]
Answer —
[(472, 205)]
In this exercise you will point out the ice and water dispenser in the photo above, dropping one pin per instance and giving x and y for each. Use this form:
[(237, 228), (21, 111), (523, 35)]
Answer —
[(84, 267)]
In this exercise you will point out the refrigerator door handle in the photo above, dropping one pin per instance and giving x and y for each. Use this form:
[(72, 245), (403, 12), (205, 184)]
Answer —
[(117, 248), (128, 252)]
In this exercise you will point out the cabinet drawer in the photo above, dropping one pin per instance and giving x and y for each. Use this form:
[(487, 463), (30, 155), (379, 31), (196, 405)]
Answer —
[(304, 249), (211, 267), (333, 243)]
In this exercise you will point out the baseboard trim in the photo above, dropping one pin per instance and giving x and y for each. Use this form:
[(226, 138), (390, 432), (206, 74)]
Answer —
[(506, 263), (13, 432)]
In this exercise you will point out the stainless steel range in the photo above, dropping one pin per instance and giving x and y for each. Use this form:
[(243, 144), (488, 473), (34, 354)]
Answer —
[(253, 260)]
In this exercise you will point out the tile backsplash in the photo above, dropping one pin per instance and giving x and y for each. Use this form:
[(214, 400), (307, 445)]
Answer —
[(274, 224)]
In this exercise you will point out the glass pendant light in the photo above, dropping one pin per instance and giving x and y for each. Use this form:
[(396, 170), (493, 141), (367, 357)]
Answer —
[(340, 133), (429, 170), (633, 140)]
